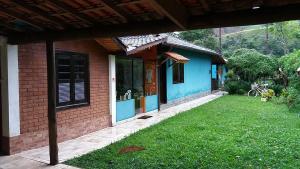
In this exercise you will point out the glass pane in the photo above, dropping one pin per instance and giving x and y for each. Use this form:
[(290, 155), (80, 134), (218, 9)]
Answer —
[(123, 78), (64, 91), (175, 73), (80, 75), (181, 72), (64, 77), (138, 82), (79, 90)]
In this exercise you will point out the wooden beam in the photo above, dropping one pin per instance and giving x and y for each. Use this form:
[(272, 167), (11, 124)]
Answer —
[(40, 12), (216, 20), (117, 10), (246, 17), (73, 11), (20, 17), (125, 29), (52, 125), (205, 5), (10, 26), (173, 10)]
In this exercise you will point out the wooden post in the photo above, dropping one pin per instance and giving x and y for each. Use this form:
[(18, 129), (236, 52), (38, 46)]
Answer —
[(53, 148)]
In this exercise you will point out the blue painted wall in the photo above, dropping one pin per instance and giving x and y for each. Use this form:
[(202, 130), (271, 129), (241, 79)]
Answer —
[(151, 103), (125, 109), (197, 77)]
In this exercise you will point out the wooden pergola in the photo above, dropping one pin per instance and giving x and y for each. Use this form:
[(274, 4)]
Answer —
[(29, 21)]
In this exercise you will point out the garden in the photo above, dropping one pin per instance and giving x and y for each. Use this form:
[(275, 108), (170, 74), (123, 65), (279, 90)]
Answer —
[(230, 132), (247, 66), (267, 54)]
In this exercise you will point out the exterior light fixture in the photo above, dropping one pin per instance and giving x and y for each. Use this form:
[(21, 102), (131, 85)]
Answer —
[(255, 7)]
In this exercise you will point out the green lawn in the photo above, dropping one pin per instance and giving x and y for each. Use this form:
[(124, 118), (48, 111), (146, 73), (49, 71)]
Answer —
[(230, 132)]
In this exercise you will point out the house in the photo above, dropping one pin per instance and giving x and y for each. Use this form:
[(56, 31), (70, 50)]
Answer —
[(183, 70), (99, 83)]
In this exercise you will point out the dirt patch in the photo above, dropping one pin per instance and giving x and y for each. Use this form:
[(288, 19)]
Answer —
[(131, 149)]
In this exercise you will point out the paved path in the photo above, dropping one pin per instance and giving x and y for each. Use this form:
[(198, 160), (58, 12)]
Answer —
[(39, 158)]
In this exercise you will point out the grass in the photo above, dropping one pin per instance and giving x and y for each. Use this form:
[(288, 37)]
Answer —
[(230, 132)]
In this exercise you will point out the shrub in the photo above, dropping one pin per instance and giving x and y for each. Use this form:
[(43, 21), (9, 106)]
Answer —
[(291, 97), (277, 89), (237, 87), (269, 94), (230, 74)]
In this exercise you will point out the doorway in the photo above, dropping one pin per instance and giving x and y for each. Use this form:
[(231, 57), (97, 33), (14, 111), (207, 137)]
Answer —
[(163, 83)]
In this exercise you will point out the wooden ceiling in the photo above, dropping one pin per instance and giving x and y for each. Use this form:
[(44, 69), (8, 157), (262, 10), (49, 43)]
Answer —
[(24, 21)]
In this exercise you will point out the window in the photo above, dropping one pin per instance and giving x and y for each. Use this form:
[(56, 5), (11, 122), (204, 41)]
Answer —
[(178, 73), (129, 78), (72, 74)]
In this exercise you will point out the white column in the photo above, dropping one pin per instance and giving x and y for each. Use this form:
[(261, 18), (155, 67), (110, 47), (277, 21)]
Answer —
[(10, 90), (112, 88)]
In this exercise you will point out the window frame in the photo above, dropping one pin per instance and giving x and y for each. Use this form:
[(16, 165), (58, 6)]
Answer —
[(73, 103), (180, 73)]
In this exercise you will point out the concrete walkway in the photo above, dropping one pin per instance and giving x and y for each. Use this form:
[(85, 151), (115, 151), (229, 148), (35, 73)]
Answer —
[(39, 158)]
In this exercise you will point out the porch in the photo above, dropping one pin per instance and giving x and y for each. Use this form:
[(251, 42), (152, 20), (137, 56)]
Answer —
[(101, 138)]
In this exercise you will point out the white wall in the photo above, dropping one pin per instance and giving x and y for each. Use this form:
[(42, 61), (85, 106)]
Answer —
[(112, 88), (10, 89)]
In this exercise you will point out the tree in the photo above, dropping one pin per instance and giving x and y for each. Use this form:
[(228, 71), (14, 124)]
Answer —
[(275, 39), (250, 65), (201, 37)]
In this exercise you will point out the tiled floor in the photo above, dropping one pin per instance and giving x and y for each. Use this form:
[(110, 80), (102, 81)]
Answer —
[(39, 158)]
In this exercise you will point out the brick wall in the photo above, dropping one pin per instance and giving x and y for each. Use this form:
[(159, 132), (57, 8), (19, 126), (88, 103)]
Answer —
[(72, 122)]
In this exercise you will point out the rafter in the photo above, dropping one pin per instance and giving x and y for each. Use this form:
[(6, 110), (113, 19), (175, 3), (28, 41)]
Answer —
[(117, 10), (73, 11), (9, 26), (205, 5), (214, 20), (21, 17), (173, 10), (40, 12)]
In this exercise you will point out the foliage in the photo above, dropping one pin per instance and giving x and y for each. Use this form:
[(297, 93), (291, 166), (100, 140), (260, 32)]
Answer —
[(236, 86), (290, 63), (290, 97), (230, 132), (201, 37), (275, 39), (251, 65), (277, 88), (269, 94)]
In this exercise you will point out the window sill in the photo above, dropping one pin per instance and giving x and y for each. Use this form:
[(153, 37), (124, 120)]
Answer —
[(178, 82), (66, 107)]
